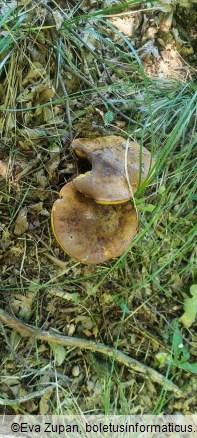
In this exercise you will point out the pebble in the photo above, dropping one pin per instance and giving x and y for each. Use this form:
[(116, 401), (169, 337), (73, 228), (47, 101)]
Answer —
[(75, 371)]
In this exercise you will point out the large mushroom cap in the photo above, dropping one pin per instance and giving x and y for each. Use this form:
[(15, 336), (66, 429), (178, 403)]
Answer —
[(107, 183), (90, 232)]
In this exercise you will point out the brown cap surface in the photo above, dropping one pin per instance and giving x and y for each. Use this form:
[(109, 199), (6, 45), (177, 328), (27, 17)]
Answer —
[(106, 183), (90, 232)]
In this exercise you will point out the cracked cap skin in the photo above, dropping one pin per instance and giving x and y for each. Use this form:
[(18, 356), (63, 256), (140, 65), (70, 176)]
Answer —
[(107, 182), (90, 232)]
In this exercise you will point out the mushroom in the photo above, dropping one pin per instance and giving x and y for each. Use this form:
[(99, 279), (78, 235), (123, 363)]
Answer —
[(107, 182), (90, 232)]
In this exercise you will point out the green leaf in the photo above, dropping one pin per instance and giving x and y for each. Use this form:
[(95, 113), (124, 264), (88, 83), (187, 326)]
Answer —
[(124, 308), (148, 207), (184, 355), (190, 308), (193, 197), (161, 190), (163, 357), (192, 367), (139, 201)]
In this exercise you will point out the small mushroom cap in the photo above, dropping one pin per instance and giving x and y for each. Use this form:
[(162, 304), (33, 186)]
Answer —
[(89, 232), (106, 183)]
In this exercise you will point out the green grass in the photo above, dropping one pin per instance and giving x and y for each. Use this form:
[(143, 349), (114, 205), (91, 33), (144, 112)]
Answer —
[(133, 300)]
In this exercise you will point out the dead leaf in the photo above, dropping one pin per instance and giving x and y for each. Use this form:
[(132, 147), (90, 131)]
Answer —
[(36, 71), (23, 305), (166, 23), (59, 19), (44, 402), (6, 239), (37, 208), (3, 169), (59, 352), (124, 24), (25, 145), (53, 163), (47, 114), (43, 94), (21, 224), (41, 179)]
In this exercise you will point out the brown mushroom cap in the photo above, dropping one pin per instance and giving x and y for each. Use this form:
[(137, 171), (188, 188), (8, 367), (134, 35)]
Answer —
[(106, 183), (90, 232)]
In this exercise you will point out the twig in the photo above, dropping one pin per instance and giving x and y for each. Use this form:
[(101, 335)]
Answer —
[(30, 331), (29, 370), (57, 262), (27, 397)]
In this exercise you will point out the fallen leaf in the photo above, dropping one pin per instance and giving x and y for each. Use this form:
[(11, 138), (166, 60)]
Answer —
[(124, 25), (59, 19), (42, 95), (47, 114), (21, 224), (59, 352), (147, 207), (41, 179), (190, 308), (23, 305), (36, 71), (166, 23), (44, 402), (3, 169)]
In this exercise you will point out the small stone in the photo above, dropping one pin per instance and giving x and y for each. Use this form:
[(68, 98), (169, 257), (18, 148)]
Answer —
[(75, 371)]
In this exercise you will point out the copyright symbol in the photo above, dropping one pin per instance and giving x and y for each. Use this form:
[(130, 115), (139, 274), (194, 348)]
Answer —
[(15, 427)]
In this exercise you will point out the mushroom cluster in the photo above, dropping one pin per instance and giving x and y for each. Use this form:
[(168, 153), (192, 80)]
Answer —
[(93, 220)]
